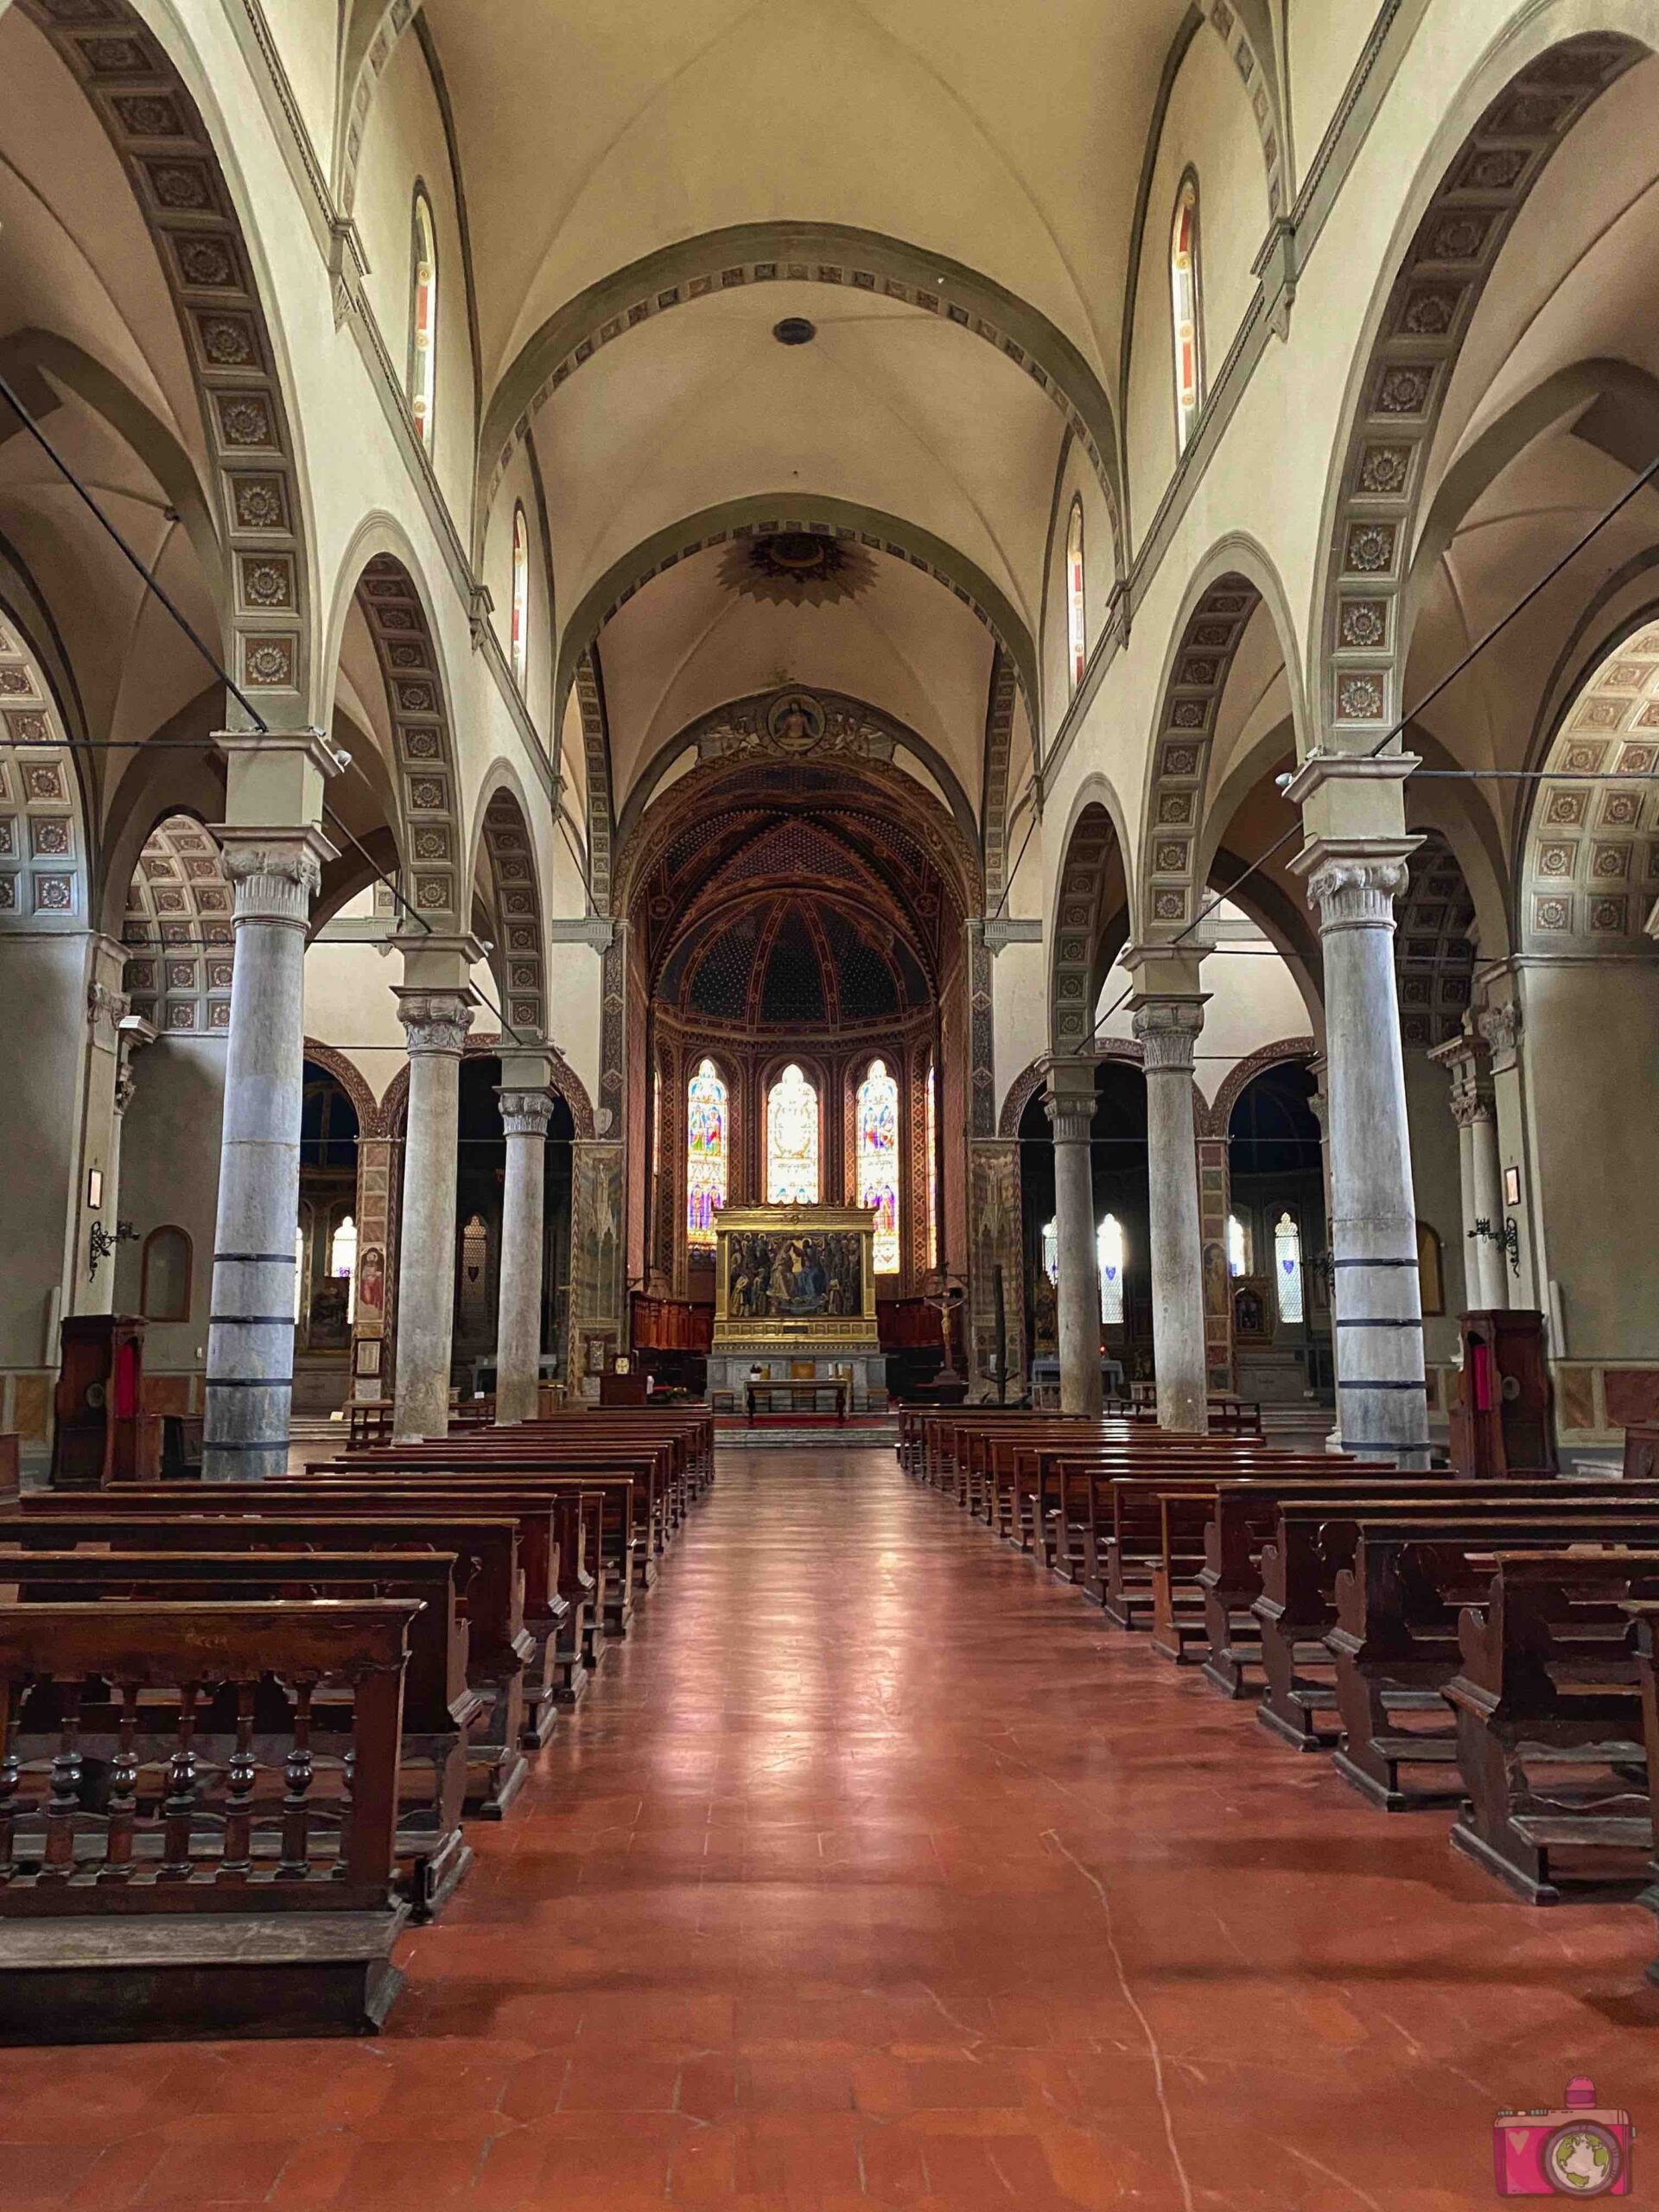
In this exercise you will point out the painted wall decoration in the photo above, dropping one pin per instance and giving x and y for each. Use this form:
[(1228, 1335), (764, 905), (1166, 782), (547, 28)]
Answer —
[(780, 1274)]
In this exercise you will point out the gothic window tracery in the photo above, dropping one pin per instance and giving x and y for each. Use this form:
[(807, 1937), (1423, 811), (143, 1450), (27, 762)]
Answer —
[(878, 1162), (793, 1168), (1076, 608), (519, 632), (1109, 1251), (1183, 305), (1287, 1265), (423, 320), (707, 1124)]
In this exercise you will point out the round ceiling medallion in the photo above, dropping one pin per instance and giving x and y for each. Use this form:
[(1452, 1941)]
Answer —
[(795, 723)]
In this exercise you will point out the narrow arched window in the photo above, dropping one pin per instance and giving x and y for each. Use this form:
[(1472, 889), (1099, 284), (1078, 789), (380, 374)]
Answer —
[(1108, 1250), (1184, 306), (342, 1261), (1238, 1246), (792, 1168), (423, 320), (164, 1281), (705, 1155), (1077, 612), (520, 630), (878, 1162), (1052, 1250), (932, 1141), (1287, 1265)]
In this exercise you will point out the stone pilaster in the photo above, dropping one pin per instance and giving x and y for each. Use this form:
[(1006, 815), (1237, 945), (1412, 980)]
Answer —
[(526, 1112), (1474, 1109), (1070, 1106), (1354, 864)]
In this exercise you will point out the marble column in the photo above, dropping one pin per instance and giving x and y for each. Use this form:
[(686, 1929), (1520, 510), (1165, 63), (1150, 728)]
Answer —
[(1070, 1108), (1168, 1015), (1354, 863), (526, 1108), (436, 1022), (275, 874), (1474, 1109)]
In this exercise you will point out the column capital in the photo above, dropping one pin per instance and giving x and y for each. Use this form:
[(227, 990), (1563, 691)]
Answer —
[(1069, 1100), (1166, 971), (1167, 1032), (276, 870), (1354, 881), (1500, 1025), (436, 1021), (1466, 1060), (524, 1113), (132, 1031), (1348, 795)]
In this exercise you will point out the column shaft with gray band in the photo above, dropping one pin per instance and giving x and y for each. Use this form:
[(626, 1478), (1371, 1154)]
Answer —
[(250, 1330), (1354, 865), (1070, 1108), (524, 1116), (436, 1022), (1168, 1033)]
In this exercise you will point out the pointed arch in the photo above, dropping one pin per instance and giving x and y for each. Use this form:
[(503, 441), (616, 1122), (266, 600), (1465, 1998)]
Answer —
[(520, 958), (1093, 848)]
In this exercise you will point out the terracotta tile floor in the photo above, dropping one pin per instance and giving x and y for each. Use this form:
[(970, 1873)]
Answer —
[(876, 1869)]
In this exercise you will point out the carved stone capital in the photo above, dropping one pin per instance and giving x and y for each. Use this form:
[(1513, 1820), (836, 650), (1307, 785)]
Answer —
[(1501, 1026), (1167, 1031), (1069, 1100), (436, 1021), (524, 1113), (276, 873), (1354, 893)]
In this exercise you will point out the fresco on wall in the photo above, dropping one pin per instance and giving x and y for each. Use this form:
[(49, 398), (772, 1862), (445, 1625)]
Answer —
[(775, 1275)]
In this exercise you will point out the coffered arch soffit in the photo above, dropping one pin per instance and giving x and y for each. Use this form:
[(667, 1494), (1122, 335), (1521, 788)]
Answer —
[(1094, 867), (1458, 215), (888, 536), (504, 868), (1234, 585), (154, 122), (850, 729)]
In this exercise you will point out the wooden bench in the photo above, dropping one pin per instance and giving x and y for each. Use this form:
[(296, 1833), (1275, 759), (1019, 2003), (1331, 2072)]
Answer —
[(216, 1517), (440, 1708), (247, 1890), (1315, 1538), (1546, 1698)]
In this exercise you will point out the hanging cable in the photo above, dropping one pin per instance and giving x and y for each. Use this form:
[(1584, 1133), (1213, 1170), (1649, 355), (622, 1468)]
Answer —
[(1390, 736)]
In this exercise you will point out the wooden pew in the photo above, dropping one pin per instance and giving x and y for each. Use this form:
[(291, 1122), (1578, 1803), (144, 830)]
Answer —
[(215, 1517), (1548, 1694), (440, 1708), (1315, 1538), (1643, 1616), (252, 1894)]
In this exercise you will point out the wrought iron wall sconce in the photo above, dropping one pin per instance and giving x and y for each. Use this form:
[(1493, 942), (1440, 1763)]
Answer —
[(1507, 1239)]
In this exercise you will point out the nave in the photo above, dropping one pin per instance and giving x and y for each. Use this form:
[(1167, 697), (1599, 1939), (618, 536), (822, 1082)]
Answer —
[(875, 1867)]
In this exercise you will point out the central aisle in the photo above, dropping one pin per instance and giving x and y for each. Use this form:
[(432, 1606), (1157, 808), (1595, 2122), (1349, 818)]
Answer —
[(876, 1868)]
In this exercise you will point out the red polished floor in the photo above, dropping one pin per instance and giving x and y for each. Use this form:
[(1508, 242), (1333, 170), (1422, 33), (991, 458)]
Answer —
[(876, 1869)]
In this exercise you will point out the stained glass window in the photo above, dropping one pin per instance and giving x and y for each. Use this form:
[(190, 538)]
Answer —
[(1238, 1246), (932, 1165), (1108, 1250), (342, 1261), (1287, 1269), (705, 1155), (1051, 1251), (474, 1314), (521, 634), (1076, 623), (878, 1162), (792, 1172), (423, 321), (299, 1273), (1184, 303)]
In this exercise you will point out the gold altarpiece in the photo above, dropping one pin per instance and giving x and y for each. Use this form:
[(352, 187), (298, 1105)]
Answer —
[(794, 1297)]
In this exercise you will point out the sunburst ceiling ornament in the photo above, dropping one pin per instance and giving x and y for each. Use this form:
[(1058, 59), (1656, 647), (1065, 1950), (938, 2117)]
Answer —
[(797, 567)]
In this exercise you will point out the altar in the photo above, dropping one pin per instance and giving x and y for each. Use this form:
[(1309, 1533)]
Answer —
[(795, 1301)]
